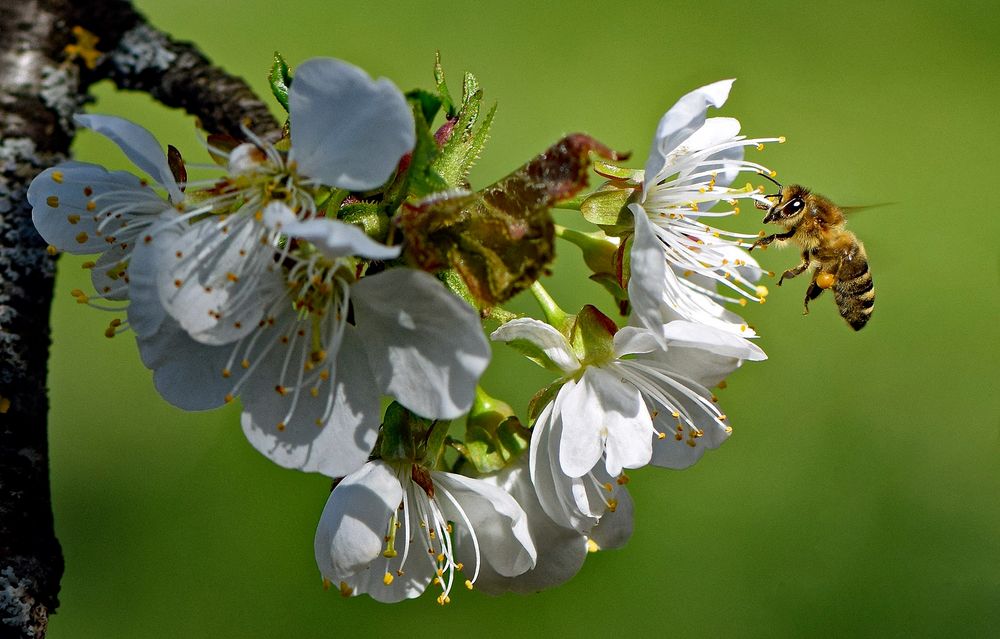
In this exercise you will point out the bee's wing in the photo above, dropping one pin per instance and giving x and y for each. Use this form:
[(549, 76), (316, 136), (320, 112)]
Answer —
[(848, 210)]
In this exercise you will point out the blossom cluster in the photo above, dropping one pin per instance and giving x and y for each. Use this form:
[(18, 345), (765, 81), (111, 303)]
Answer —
[(284, 281)]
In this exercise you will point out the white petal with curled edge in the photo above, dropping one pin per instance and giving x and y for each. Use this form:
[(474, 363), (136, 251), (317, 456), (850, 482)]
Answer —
[(347, 130), (138, 144), (540, 342), (334, 446), (351, 531), (71, 203), (339, 239), (425, 345), (632, 340), (498, 522), (714, 340), (561, 551), (600, 414), (678, 123)]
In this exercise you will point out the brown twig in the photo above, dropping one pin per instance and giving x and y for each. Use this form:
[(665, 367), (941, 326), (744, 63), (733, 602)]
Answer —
[(42, 83)]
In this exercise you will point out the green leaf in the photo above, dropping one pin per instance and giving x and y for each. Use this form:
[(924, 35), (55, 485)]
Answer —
[(446, 101), (368, 216), (429, 103), (500, 239), (466, 142), (422, 178), (280, 79)]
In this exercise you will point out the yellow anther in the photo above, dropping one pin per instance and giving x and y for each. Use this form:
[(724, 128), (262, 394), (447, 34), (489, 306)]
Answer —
[(314, 391), (440, 557), (608, 487), (73, 219), (324, 375), (773, 174), (245, 363), (459, 566), (57, 177), (468, 584), (743, 301), (281, 390), (178, 283), (387, 579), (723, 384), (52, 200), (691, 443), (781, 139), (51, 250), (612, 505), (232, 277), (743, 327), (592, 546), (623, 479), (82, 237), (227, 373), (345, 590), (678, 437), (762, 291), (228, 398), (88, 264), (675, 415), (109, 332), (326, 583), (661, 435), (281, 427), (760, 146)]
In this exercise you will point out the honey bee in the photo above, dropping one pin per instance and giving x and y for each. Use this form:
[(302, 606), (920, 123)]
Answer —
[(837, 257)]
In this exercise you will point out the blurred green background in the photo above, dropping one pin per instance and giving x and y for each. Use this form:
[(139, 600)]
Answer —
[(860, 492)]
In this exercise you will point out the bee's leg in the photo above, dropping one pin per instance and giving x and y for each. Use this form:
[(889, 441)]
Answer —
[(793, 272), (764, 241), (811, 293)]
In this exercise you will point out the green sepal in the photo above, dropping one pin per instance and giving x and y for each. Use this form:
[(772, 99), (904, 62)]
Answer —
[(494, 436), (611, 285), (592, 336), (490, 452), (454, 283), (280, 78), (409, 438), (542, 398), (606, 207), (615, 172), (369, 216)]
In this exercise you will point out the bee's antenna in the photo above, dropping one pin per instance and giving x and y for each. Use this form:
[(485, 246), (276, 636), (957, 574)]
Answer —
[(771, 178)]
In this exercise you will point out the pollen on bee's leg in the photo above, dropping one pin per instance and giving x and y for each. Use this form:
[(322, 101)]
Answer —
[(825, 280)]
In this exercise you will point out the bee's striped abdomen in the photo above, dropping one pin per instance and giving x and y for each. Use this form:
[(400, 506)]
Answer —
[(854, 289)]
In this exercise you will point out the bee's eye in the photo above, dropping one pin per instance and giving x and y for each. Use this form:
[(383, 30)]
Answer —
[(794, 206)]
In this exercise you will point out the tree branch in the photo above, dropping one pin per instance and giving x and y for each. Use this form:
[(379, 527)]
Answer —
[(41, 85)]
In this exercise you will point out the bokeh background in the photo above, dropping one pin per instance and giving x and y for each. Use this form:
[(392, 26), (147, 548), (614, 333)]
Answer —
[(860, 492)]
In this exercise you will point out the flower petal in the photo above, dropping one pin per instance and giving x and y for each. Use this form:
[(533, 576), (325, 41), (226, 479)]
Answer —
[(215, 278), (315, 436), (561, 551), (713, 340), (425, 345), (615, 528), (678, 454), (540, 342), (139, 145), (497, 521), (351, 530), (347, 130), (338, 239), (677, 124), (78, 207)]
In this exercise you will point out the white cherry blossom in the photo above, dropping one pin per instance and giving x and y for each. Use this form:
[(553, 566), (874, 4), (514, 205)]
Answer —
[(387, 531)]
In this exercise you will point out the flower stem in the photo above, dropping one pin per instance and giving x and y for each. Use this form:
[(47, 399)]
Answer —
[(554, 315)]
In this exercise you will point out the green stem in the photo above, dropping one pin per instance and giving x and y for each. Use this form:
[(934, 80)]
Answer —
[(554, 315)]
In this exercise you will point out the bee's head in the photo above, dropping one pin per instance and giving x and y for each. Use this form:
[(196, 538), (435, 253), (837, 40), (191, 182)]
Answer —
[(787, 205)]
